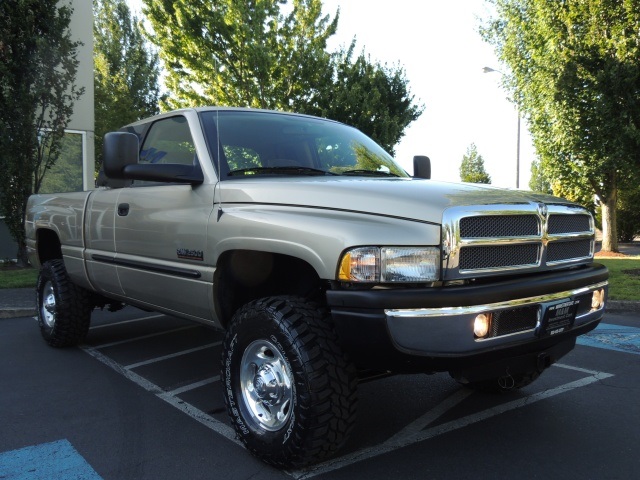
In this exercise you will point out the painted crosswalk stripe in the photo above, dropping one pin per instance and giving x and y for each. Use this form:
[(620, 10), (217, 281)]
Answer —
[(57, 460)]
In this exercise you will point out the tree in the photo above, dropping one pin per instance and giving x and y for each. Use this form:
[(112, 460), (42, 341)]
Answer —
[(126, 71), (241, 53), (472, 167), (628, 214), (38, 64), (253, 53), (576, 76), (369, 96), (539, 181)]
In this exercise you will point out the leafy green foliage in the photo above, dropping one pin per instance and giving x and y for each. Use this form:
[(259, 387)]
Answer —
[(539, 181), (472, 167), (272, 54), (369, 96), (38, 64), (240, 53), (629, 214), (126, 71), (575, 75)]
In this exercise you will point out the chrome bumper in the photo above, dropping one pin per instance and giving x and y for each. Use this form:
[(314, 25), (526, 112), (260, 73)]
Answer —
[(449, 331)]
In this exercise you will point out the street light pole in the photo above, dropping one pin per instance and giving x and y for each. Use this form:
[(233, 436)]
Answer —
[(490, 70)]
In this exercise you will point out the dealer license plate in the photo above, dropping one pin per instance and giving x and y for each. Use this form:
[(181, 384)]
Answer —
[(558, 318)]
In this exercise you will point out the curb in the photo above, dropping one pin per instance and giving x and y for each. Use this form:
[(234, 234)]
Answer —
[(17, 312), (620, 306)]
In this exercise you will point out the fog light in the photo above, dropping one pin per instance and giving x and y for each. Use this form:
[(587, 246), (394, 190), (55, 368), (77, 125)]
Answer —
[(481, 325), (597, 299)]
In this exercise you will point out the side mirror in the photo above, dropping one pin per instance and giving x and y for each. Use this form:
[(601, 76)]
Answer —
[(120, 161), (421, 167), (119, 150)]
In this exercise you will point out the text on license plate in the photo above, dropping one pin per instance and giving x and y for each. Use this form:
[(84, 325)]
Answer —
[(559, 317)]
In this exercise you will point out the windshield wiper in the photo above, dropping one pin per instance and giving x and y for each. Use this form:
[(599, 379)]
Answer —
[(291, 170), (373, 173)]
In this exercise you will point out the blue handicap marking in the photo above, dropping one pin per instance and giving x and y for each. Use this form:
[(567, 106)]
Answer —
[(56, 460), (613, 337)]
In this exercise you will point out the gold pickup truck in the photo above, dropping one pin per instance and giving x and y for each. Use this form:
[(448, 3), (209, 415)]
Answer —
[(322, 259)]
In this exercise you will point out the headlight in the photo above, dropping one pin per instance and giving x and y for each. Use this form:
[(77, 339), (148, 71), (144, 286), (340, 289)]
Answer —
[(390, 265)]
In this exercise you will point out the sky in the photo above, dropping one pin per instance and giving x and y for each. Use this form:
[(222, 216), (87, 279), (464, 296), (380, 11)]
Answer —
[(438, 45)]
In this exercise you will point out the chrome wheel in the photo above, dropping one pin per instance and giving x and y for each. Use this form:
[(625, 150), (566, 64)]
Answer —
[(64, 309), (48, 307), (267, 385), (288, 387)]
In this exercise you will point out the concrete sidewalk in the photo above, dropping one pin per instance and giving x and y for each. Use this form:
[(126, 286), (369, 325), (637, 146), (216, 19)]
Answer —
[(17, 302)]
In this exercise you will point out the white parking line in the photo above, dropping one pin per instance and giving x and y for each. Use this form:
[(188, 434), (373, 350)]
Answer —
[(423, 435), (143, 337), (428, 418), (133, 320), (415, 432), (577, 369), (171, 355), (205, 419), (193, 386)]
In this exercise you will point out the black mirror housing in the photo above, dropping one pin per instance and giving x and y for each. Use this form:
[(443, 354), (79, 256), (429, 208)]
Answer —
[(119, 150), (121, 154), (421, 167)]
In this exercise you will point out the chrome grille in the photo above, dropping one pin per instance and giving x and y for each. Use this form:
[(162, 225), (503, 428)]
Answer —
[(476, 258), (563, 251), (486, 240), (559, 224), (514, 320), (495, 226)]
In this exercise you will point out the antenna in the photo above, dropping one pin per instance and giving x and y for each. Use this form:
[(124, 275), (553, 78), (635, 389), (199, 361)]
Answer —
[(219, 147)]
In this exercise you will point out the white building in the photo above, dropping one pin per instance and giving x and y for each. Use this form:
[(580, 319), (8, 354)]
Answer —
[(83, 121)]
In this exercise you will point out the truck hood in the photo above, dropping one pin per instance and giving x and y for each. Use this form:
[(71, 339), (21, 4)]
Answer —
[(414, 199)]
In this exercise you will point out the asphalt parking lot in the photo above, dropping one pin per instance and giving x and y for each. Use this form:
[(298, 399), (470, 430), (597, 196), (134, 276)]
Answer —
[(142, 400)]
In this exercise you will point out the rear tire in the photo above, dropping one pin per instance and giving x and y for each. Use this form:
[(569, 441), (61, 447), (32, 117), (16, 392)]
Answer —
[(289, 389), (64, 309)]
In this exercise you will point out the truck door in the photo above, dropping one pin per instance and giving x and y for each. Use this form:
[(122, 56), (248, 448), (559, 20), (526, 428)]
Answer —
[(161, 229), (100, 241)]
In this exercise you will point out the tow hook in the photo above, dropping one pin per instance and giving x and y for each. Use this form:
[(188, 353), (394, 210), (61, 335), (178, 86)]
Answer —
[(544, 361), (506, 382)]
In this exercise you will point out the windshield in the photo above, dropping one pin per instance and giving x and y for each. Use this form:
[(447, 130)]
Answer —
[(265, 143)]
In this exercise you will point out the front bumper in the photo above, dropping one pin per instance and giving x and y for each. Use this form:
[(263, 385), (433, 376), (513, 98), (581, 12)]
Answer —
[(432, 328)]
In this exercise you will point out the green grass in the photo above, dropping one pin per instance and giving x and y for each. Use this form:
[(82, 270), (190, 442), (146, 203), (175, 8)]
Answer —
[(18, 277), (624, 277)]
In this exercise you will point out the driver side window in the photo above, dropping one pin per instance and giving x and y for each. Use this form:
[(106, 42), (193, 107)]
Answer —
[(168, 142)]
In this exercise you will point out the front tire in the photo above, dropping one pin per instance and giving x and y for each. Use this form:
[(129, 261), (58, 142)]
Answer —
[(289, 389), (64, 309)]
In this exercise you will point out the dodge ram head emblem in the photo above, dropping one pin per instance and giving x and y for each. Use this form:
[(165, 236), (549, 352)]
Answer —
[(543, 210)]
